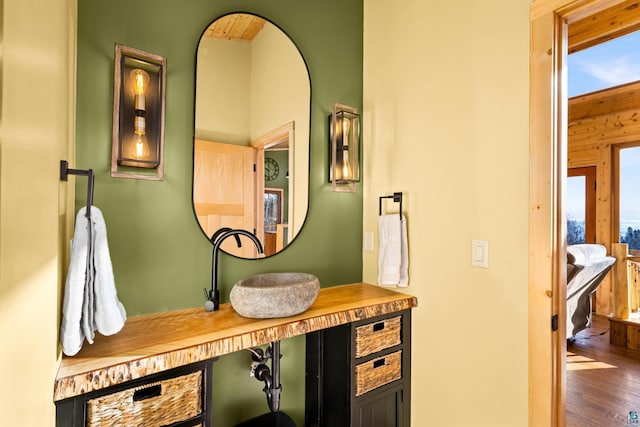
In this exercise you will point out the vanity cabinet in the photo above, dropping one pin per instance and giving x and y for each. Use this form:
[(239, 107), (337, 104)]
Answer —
[(358, 374), (179, 397), (358, 361)]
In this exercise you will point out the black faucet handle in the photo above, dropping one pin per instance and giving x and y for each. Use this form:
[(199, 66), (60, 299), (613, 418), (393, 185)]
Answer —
[(213, 300)]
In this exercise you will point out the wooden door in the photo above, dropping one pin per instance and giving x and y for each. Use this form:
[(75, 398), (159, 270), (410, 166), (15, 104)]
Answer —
[(224, 191)]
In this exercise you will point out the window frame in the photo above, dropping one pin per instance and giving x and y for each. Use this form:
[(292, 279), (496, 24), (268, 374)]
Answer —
[(615, 191)]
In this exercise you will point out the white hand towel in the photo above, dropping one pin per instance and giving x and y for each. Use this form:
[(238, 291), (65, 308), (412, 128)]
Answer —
[(90, 299), (404, 253), (393, 251), (71, 331), (88, 303), (109, 314)]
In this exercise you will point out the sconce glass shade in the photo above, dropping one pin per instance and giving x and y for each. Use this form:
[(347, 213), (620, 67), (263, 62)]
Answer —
[(344, 132), (138, 152), (135, 148)]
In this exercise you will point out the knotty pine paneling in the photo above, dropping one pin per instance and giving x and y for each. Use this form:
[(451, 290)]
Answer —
[(613, 22)]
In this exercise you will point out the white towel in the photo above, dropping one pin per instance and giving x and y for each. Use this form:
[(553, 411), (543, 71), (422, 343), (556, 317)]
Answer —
[(71, 331), (90, 299), (393, 251)]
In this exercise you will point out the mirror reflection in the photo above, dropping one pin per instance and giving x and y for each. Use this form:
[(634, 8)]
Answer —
[(251, 147)]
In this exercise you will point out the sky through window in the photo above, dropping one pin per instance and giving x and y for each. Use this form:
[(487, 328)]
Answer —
[(605, 65)]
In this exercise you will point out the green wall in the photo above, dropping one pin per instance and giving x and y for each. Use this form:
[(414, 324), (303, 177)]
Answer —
[(161, 259)]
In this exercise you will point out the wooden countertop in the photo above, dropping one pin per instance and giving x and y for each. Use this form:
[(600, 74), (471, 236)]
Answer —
[(157, 342)]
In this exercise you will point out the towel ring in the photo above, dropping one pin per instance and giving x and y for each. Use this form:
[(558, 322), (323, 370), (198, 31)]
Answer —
[(397, 198)]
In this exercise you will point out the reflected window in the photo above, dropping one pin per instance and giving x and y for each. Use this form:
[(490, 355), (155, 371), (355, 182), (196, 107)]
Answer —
[(272, 213), (274, 228)]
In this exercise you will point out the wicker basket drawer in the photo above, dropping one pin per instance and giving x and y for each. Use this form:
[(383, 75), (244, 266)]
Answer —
[(156, 404), (377, 336), (378, 372)]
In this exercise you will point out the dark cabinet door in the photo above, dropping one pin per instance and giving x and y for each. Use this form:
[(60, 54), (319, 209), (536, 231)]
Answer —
[(382, 409), (351, 381)]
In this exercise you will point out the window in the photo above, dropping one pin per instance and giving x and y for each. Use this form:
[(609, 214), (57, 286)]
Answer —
[(628, 195), (575, 210), (604, 65), (581, 205)]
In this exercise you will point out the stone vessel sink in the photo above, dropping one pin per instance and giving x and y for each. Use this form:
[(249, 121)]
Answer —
[(270, 295)]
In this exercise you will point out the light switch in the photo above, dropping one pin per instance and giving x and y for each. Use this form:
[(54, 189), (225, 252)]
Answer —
[(480, 253), (368, 241)]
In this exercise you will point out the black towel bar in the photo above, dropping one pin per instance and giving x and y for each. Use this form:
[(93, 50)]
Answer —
[(65, 171), (397, 198)]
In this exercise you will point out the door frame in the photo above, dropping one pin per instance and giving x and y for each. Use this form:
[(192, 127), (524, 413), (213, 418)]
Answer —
[(549, 20), (282, 136)]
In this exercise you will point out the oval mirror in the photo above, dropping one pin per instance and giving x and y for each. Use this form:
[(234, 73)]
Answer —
[(251, 144)]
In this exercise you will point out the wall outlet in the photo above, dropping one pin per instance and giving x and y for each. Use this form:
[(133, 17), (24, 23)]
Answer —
[(368, 241)]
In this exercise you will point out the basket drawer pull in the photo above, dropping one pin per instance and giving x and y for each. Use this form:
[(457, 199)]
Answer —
[(147, 393), (378, 372), (373, 337)]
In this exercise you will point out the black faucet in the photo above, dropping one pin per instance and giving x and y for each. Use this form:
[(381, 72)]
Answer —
[(213, 296)]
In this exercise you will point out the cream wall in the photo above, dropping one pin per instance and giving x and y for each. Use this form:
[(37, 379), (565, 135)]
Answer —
[(446, 122), (36, 131), (280, 86), (280, 93), (223, 96)]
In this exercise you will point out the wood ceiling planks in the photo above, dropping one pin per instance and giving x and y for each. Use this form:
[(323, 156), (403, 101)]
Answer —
[(613, 22), (606, 101), (238, 26)]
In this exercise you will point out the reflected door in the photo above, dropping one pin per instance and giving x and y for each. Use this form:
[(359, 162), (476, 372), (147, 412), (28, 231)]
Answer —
[(224, 190)]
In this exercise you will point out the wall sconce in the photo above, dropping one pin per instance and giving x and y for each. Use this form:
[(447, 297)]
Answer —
[(138, 114), (344, 133)]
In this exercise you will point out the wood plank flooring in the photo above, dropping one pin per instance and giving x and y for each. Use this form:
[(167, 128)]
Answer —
[(603, 381)]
